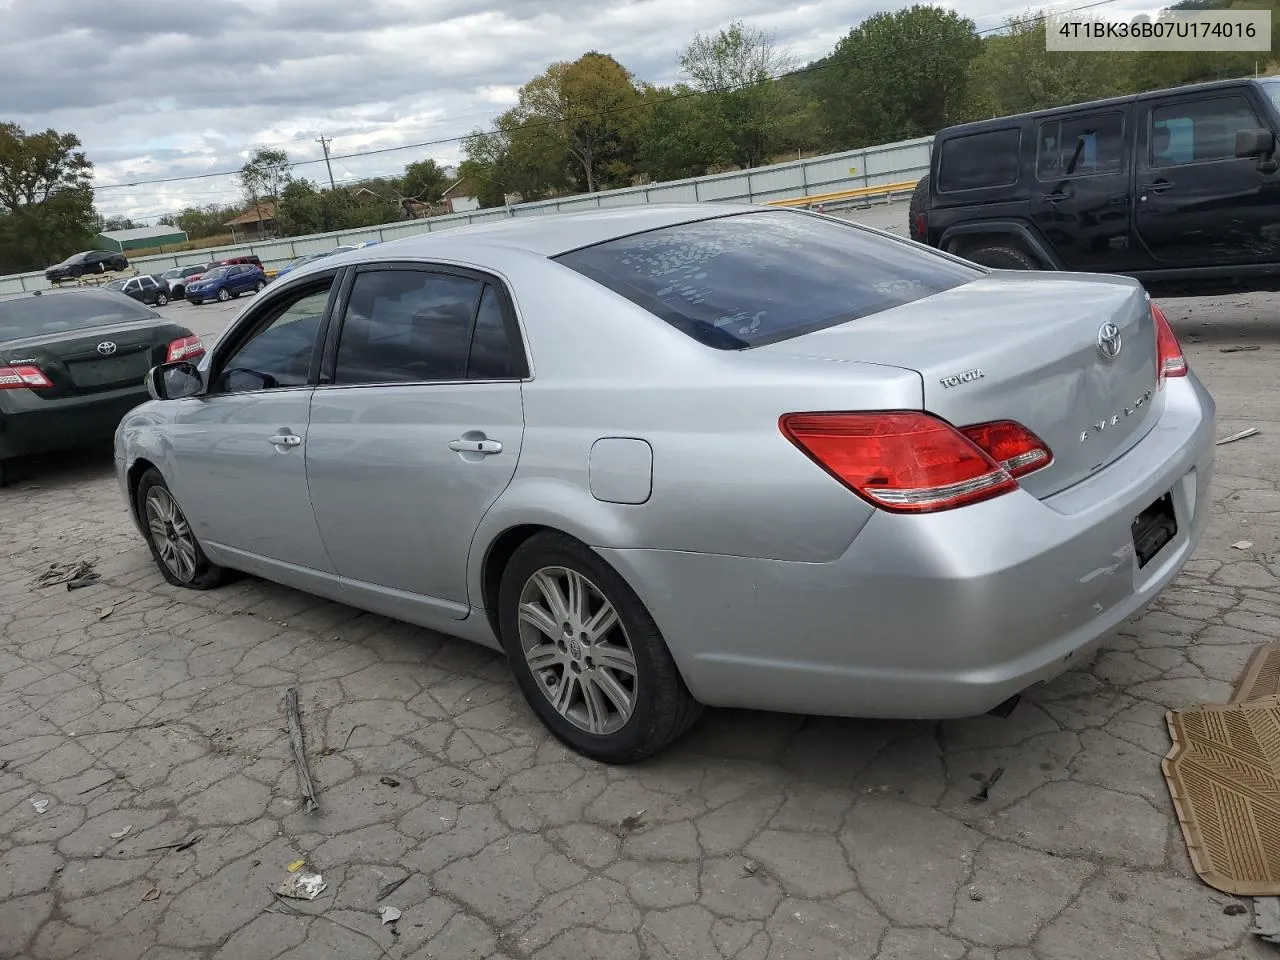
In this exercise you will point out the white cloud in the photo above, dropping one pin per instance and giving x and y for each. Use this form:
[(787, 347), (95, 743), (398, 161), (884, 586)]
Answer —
[(156, 91)]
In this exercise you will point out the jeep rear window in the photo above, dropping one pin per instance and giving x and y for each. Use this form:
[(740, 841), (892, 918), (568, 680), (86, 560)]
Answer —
[(988, 159), (747, 280), (64, 312)]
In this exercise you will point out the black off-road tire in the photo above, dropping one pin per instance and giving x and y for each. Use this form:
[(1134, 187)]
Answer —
[(207, 575), (919, 204), (1001, 257), (664, 709)]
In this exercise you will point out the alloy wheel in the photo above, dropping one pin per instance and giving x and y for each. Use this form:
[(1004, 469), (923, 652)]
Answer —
[(578, 650), (171, 534)]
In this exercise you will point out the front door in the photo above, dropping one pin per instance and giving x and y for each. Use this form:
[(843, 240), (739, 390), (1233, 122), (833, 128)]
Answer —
[(1197, 204), (416, 428), (239, 449), (1081, 199)]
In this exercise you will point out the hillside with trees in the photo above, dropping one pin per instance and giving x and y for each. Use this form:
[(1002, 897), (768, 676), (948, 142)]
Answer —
[(590, 124)]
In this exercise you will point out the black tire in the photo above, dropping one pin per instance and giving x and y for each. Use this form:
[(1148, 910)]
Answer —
[(102, 266), (195, 303), (162, 299), (6, 474), (203, 574), (224, 294), (919, 204), (1000, 257), (260, 286), (663, 707), (179, 292)]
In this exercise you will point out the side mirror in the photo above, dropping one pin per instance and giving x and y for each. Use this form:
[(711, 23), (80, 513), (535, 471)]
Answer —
[(174, 381), (1255, 143)]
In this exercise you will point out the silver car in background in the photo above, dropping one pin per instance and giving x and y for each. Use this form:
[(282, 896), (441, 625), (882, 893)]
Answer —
[(674, 456)]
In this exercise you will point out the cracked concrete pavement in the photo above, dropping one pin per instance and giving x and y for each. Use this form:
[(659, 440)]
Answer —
[(759, 837)]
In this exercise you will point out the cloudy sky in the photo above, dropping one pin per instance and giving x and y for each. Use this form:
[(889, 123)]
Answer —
[(157, 89)]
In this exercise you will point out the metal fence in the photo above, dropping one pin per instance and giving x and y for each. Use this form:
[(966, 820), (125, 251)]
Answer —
[(869, 167)]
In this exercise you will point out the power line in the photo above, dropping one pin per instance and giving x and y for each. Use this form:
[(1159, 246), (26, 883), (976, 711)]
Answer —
[(537, 124)]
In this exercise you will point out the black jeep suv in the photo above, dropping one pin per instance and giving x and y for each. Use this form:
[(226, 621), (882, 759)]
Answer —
[(1175, 187)]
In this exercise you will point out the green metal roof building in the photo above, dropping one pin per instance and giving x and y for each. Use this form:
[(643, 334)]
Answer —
[(142, 238)]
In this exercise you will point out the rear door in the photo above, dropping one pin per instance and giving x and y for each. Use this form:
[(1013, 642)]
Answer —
[(1082, 199), (238, 467), (416, 427), (1198, 205)]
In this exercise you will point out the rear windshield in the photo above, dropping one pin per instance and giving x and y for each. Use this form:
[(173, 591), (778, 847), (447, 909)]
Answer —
[(65, 312), (751, 279)]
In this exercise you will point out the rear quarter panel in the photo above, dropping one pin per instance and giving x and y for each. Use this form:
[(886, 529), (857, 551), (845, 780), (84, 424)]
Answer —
[(724, 478)]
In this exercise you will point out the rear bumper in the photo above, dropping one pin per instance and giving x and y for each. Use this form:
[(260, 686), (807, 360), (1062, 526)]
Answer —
[(936, 616), (29, 425)]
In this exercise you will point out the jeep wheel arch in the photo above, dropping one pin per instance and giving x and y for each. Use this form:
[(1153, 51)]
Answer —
[(1012, 245)]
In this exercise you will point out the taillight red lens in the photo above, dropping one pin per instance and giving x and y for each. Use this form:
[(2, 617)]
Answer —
[(1169, 359), (921, 225), (23, 377), (187, 348), (1011, 445), (904, 462)]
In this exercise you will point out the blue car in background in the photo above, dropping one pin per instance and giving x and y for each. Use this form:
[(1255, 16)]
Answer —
[(309, 257), (223, 283)]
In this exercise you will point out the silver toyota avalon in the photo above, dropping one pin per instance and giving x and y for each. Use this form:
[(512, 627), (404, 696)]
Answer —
[(687, 455)]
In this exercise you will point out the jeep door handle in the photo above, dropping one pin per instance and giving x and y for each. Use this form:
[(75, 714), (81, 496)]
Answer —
[(475, 446), (286, 440), (1160, 186), (1053, 197)]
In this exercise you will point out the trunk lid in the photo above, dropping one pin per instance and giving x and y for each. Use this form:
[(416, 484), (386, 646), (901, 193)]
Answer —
[(76, 366), (1024, 347)]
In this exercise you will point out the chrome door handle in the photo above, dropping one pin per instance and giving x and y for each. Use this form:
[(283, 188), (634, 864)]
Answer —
[(286, 440), (475, 446)]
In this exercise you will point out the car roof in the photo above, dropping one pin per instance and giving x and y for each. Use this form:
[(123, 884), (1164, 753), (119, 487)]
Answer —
[(977, 126), (549, 235)]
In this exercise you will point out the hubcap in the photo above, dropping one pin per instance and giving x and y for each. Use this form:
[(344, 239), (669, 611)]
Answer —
[(171, 534), (578, 651)]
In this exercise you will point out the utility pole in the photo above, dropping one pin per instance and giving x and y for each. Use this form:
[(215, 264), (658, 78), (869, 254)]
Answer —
[(324, 145)]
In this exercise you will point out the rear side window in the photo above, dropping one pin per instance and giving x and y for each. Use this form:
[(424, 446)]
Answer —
[(1081, 147), (407, 326), (752, 279), (988, 159), (53, 313)]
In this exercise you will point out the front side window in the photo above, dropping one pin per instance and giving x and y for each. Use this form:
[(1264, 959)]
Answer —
[(751, 279), (279, 352), (407, 326), (1199, 131), (978, 160)]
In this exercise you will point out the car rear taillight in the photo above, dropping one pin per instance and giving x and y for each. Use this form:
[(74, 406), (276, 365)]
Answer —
[(23, 377), (186, 348), (921, 227), (1169, 359), (904, 462), (1011, 445)]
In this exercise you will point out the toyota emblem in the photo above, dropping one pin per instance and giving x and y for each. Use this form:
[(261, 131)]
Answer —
[(106, 348), (1109, 341)]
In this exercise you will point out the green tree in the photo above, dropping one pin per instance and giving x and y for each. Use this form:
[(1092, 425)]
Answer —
[(424, 180), (201, 222), (586, 113), (676, 141), (264, 177), (1015, 73), (117, 223), (899, 75), (745, 114), (490, 191), (46, 198)]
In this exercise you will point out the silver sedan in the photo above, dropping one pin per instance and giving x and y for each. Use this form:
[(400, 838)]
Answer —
[(675, 456)]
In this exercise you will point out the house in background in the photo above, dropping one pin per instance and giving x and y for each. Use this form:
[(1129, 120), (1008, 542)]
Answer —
[(460, 197), (257, 223), (141, 238)]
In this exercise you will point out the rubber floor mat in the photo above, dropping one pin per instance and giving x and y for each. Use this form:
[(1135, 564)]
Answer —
[(1262, 677), (1224, 777)]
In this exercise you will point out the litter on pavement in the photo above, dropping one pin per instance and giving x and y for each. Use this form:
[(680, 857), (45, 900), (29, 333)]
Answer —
[(302, 886)]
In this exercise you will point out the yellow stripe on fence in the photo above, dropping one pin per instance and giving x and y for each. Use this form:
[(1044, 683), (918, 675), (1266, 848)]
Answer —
[(817, 198)]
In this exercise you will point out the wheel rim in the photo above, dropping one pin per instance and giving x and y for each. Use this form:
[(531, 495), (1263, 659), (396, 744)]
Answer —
[(578, 651), (223, 295), (171, 534)]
